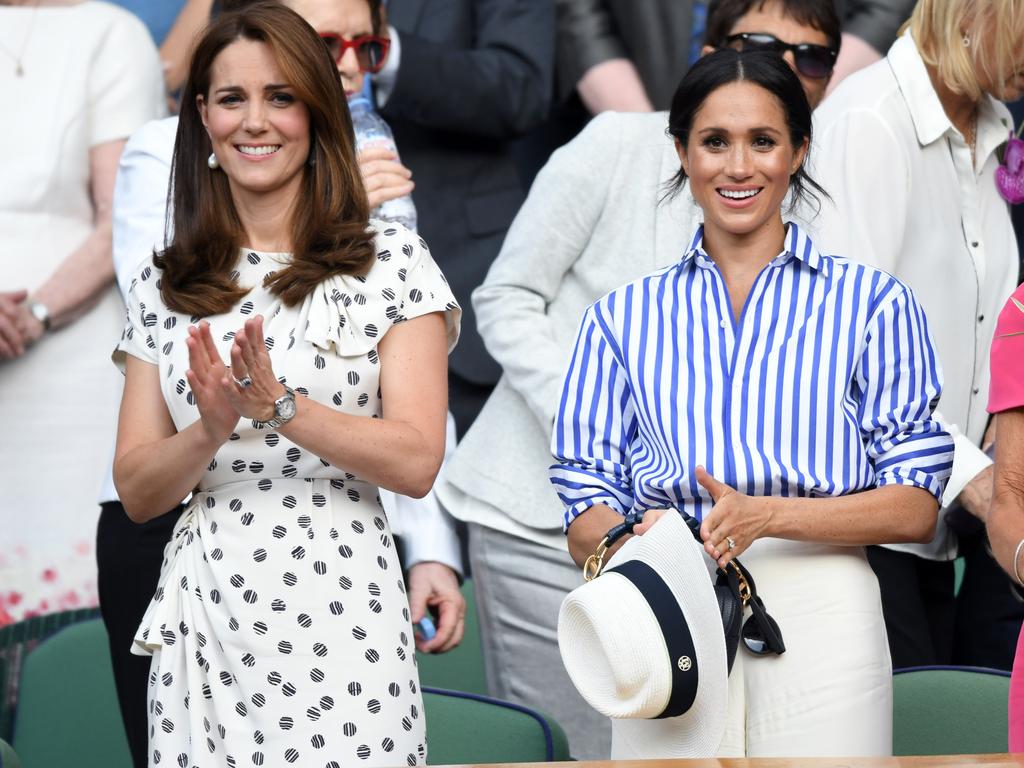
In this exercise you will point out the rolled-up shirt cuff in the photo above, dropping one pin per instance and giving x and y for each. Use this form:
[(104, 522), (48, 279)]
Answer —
[(968, 461), (575, 510), (913, 478)]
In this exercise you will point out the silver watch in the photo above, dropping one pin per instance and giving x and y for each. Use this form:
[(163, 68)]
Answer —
[(40, 313), (284, 409)]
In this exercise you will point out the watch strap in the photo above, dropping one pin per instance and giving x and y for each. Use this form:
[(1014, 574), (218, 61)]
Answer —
[(41, 313), (277, 421)]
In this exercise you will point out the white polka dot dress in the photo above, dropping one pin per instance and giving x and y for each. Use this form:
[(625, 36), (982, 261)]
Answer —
[(280, 629)]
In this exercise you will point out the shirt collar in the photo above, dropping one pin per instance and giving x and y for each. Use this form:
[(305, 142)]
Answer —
[(994, 127), (930, 120), (797, 245)]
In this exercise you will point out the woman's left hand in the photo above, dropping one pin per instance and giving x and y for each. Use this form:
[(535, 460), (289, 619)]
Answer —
[(251, 385), (735, 521)]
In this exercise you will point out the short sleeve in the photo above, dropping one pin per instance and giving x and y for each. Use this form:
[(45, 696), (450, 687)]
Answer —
[(126, 86), (138, 338), (1007, 357), (425, 288)]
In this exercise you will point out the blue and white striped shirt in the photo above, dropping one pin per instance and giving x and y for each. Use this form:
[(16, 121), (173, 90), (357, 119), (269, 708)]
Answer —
[(824, 387)]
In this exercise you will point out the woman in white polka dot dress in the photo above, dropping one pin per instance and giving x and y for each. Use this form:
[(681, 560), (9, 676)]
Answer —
[(284, 358)]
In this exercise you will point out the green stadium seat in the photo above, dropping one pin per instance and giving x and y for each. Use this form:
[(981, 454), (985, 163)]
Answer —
[(8, 759), (467, 729), (70, 673), (16, 641), (949, 711)]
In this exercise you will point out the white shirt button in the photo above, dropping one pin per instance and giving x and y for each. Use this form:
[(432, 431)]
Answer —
[(724, 324)]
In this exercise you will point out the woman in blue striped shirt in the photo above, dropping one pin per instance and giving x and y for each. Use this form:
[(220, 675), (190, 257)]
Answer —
[(781, 396)]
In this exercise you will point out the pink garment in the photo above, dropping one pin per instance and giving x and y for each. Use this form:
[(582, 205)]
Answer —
[(1007, 391), (1007, 358), (1016, 705)]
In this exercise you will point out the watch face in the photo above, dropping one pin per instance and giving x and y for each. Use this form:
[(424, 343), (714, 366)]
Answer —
[(285, 407)]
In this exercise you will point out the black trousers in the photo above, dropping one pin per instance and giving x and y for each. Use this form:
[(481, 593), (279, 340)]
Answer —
[(928, 625), (129, 557)]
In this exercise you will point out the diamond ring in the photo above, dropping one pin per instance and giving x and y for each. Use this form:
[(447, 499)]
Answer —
[(731, 542), (243, 382)]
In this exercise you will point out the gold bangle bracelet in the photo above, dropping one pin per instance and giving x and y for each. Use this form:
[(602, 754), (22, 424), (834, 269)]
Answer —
[(1016, 562)]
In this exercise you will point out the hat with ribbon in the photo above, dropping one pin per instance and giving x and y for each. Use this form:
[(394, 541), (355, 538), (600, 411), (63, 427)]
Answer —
[(643, 644)]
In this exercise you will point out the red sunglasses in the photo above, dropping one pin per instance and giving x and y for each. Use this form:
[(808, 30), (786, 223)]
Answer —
[(371, 51)]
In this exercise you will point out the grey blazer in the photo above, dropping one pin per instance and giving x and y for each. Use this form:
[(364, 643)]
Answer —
[(592, 222)]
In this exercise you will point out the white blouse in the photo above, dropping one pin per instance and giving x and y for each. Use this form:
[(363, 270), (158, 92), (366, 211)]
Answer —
[(906, 198)]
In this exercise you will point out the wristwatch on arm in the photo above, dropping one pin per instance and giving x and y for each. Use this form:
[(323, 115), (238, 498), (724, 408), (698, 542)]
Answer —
[(40, 313), (284, 409)]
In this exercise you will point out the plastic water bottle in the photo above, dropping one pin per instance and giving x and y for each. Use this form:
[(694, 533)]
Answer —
[(373, 133)]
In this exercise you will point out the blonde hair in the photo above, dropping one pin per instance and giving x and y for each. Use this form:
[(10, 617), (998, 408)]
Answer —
[(939, 27)]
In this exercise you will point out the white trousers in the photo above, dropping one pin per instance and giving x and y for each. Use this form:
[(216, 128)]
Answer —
[(830, 693)]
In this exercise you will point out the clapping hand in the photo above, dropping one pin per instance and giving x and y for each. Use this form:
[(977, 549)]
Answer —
[(205, 376), (251, 386)]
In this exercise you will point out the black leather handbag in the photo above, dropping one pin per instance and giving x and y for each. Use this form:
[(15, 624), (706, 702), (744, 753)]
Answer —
[(735, 590)]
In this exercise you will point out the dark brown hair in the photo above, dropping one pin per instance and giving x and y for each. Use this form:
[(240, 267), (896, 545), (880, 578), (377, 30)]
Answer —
[(330, 235), (762, 68)]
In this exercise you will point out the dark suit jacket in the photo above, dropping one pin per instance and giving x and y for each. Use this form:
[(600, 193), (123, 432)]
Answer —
[(653, 34), (876, 22), (473, 76)]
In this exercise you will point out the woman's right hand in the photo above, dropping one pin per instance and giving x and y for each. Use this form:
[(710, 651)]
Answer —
[(384, 177), (13, 336), (205, 374), (651, 516)]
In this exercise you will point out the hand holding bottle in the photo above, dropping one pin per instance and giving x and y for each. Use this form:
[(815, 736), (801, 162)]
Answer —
[(374, 136), (384, 176)]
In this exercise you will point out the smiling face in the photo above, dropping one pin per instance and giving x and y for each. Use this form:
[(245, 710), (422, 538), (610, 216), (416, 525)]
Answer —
[(739, 159), (259, 130), (772, 19), (345, 18)]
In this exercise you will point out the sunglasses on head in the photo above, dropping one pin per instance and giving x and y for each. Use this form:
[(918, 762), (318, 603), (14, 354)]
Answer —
[(371, 50), (814, 61)]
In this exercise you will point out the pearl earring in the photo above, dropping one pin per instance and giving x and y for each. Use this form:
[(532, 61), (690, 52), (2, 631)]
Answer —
[(212, 162), (967, 40)]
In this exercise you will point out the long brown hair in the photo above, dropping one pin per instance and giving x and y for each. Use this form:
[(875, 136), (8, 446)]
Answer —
[(329, 226)]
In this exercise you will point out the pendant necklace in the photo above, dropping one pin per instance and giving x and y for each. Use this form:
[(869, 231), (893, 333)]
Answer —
[(19, 69)]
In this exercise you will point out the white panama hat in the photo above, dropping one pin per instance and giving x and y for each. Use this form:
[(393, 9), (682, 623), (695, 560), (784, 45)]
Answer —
[(643, 644)]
